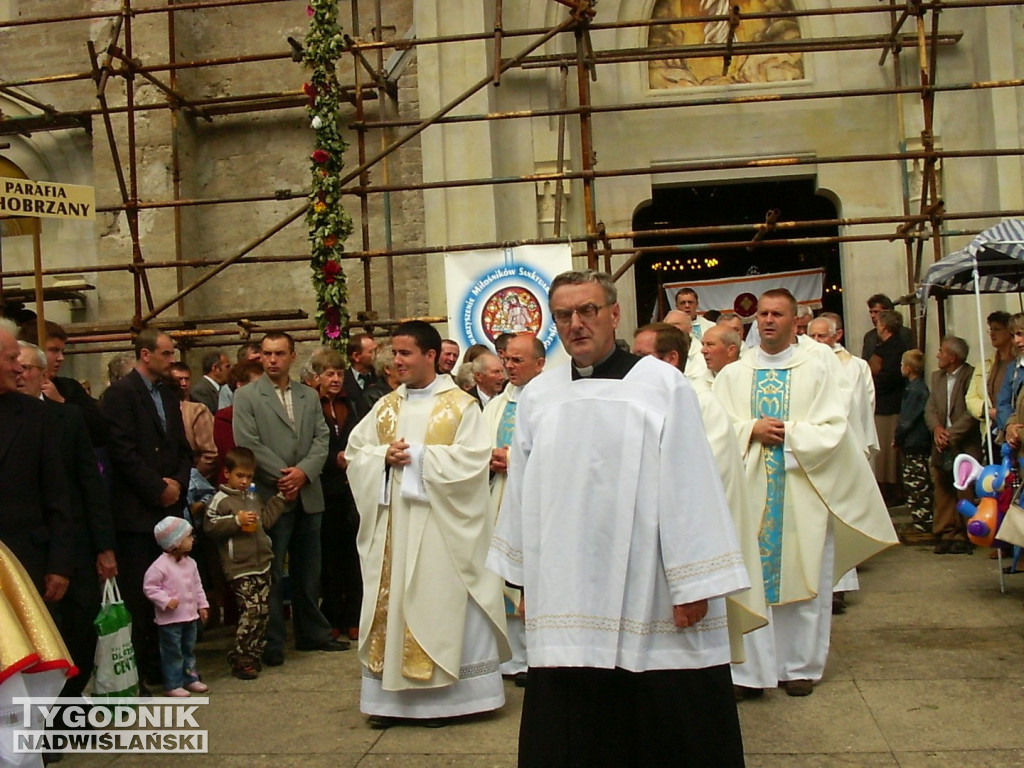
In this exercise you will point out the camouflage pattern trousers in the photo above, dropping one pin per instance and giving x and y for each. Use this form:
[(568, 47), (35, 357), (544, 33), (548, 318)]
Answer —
[(917, 485), (252, 594)]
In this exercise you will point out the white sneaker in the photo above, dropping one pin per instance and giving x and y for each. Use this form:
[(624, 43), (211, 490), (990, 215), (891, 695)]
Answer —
[(177, 693), (198, 686)]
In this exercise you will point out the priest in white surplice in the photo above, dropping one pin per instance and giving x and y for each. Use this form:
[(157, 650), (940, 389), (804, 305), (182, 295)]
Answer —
[(615, 524), (432, 622), (746, 611), (819, 513), (827, 330), (524, 360), (861, 417)]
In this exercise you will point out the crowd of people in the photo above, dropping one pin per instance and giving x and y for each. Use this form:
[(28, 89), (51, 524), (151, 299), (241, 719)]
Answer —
[(669, 524)]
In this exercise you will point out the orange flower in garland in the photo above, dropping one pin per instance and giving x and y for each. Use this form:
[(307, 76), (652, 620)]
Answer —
[(328, 222)]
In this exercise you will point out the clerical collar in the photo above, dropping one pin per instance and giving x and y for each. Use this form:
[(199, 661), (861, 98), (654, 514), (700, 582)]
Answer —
[(613, 366), (426, 391), (778, 360), (588, 370)]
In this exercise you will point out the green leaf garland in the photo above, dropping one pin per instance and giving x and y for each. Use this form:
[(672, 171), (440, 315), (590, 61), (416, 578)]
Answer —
[(329, 224)]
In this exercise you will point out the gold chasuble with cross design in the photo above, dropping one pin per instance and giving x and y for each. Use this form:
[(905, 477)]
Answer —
[(423, 535)]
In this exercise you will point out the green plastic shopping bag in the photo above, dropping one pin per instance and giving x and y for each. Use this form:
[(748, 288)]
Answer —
[(115, 673)]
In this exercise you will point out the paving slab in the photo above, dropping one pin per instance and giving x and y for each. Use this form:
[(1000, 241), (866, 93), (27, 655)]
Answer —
[(851, 760), (947, 714), (959, 607), (981, 758), (933, 654), (834, 719), (413, 760), (274, 760), (492, 733)]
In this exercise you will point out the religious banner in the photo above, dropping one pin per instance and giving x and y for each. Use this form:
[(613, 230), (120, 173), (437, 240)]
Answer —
[(46, 199), (504, 290), (739, 294)]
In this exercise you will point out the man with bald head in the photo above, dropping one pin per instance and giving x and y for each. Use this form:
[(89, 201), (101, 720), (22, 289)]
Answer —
[(696, 369), (524, 360), (680, 320)]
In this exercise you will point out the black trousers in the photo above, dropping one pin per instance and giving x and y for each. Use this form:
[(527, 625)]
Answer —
[(74, 616), (597, 718), (135, 553), (341, 580)]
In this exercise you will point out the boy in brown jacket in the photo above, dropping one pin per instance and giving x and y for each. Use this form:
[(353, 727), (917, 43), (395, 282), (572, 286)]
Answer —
[(237, 520)]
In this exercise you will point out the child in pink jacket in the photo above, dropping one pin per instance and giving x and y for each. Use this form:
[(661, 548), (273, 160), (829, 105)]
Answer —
[(172, 585)]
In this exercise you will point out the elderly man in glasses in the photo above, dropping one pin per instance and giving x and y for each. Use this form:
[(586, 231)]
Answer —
[(623, 576)]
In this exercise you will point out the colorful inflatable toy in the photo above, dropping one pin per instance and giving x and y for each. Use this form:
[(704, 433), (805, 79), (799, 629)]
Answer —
[(992, 486)]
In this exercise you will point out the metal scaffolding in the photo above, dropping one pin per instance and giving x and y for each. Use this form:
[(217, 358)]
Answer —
[(373, 93)]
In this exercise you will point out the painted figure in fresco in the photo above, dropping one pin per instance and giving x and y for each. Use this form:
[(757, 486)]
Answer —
[(706, 71)]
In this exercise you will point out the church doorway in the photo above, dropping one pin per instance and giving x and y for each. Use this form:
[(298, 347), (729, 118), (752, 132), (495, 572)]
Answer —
[(733, 203)]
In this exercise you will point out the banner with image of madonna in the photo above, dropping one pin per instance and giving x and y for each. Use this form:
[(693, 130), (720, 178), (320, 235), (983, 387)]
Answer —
[(504, 290)]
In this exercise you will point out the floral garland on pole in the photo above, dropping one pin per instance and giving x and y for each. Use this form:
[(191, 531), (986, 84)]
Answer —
[(329, 224)]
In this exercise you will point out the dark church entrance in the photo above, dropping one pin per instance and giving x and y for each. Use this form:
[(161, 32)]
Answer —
[(735, 203)]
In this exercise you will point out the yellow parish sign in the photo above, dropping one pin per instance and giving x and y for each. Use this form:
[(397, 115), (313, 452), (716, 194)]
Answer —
[(46, 199)]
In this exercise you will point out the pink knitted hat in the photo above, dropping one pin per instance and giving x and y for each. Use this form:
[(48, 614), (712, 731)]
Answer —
[(170, 532)]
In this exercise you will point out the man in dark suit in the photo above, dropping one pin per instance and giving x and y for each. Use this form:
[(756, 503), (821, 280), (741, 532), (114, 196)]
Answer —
[(150, 463), (361, 351), (63, 389), (207, 390), (34, 511), (490, 377), (954, 431), (92, 524), (282, 423)]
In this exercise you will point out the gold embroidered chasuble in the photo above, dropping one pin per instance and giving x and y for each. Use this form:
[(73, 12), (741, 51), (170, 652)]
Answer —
[(421, 560), (29, 640)]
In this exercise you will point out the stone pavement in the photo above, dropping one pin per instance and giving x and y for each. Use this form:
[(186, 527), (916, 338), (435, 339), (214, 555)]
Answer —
[(926, 669)]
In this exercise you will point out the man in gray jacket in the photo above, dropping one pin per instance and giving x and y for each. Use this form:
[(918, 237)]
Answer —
[(281, 422)]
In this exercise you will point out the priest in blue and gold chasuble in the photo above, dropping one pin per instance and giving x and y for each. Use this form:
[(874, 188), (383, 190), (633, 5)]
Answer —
[(770, 398)]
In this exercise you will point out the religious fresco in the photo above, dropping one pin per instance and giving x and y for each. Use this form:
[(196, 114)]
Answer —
[(707, 71)]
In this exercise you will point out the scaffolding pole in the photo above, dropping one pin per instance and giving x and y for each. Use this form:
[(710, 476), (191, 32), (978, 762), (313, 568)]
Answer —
[(371, 83)]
